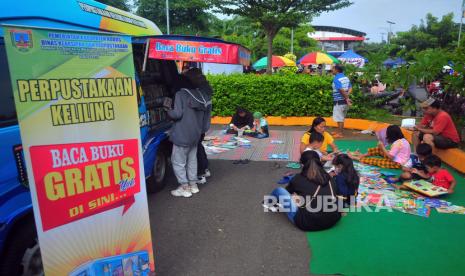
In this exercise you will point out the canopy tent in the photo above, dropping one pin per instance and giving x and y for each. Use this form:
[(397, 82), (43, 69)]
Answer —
[(276, 61), (317, 58), (197, 49), (352, 57), (394, 62)]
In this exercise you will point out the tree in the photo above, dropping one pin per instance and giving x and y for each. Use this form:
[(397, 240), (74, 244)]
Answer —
[(302, 43), (245, 32), (120, 4), (432, 34), (186, 17), (273, 15)]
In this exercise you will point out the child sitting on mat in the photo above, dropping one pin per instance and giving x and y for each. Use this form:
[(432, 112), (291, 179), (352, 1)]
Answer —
[(395, 158), (347, 179), (316, 141), (418, 170), (439, 176), (303, 200), (260, 127), (240, 121), (318, 125)]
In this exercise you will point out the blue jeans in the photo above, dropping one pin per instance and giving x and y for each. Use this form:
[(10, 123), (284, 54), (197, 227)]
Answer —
[(285, 198)]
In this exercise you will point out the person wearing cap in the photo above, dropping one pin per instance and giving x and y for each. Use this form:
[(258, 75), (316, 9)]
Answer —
[(342, 88), (436, 128), (260, 127)]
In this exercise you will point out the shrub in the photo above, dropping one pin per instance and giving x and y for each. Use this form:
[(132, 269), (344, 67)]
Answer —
[(279, 95)]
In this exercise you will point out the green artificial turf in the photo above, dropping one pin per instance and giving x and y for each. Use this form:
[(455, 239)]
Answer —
[(392, 243)]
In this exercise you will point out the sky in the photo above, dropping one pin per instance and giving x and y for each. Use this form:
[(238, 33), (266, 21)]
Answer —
[(370, 16)]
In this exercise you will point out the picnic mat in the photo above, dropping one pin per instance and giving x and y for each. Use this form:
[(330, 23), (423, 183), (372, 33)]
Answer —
[(260, 149), (391, 243)]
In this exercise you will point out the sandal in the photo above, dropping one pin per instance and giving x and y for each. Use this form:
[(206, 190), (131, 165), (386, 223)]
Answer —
[(338, 135), (286, 179), (293, 165)]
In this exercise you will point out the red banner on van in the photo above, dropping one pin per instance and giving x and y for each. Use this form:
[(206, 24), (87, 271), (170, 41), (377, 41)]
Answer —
[(196, 51)]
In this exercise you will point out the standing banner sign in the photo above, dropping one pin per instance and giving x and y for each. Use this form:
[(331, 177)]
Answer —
[(76, 102)]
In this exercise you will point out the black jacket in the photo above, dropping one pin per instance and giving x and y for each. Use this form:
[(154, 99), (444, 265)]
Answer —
[(317, 218)]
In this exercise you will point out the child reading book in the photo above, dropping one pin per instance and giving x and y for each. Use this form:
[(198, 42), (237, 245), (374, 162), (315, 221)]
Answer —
[(439, 176), (418, 170), (316, 141), (260, 127), (347, 178), (318, 125), (395, 158)]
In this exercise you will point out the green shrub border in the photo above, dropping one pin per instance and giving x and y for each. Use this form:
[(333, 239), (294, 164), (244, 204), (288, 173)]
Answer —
[(280, 95)]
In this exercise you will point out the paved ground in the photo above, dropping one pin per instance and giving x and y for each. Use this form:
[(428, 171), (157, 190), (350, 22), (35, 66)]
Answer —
[(223, 229)]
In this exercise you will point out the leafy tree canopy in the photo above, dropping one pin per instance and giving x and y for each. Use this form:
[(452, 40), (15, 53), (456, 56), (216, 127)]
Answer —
[(273, 15), (186, 17), (120, 4)]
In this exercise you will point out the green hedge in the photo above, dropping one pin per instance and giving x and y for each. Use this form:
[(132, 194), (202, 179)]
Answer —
[(279, 95)]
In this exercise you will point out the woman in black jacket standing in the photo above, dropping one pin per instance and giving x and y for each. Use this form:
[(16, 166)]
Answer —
[(310, 199)]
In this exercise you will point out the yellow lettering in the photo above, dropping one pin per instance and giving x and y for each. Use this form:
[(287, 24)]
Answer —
[(109, 114), (85, 91), (74, 183), (104, 169), (92, 179), (76, 90), (93, 91), (102, 90), (116, 171), (23, 89), (92, 204), (126, 167), (119, 87), (33, 86), (57, 119), (54, 188), (65, 91), (44, 90), (128, 86), (66, 113), (54, 88), (111, 88)]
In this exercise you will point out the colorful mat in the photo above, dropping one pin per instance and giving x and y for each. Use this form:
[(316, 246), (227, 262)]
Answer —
[(391, 243), (261, 149)]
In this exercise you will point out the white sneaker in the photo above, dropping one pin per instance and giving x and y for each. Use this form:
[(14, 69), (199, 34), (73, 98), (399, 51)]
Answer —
[(207, 173), (180, 191), (194, 188), (202, 180)]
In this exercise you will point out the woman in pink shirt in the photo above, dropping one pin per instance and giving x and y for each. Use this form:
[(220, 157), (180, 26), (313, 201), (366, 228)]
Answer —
[(395, 158)]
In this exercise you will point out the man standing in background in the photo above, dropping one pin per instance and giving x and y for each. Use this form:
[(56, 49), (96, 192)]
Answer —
[(342, 88)]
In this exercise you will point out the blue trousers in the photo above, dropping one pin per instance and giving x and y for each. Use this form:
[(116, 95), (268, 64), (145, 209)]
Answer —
[(285, 198)]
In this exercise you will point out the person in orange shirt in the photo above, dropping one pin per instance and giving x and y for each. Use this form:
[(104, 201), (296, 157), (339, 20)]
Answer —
[(436, 128)]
